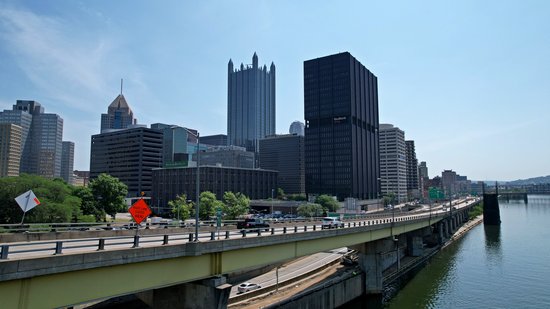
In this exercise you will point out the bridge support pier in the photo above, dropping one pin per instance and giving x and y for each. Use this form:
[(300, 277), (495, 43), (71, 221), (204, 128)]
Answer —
[(373, 264), (203, 294), (440, 234), (415, 245)]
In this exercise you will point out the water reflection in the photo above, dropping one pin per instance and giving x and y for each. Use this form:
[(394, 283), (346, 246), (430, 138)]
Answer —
[(493, 247)]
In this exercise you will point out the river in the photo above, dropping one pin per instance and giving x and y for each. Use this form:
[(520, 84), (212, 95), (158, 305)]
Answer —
[(490, 267)]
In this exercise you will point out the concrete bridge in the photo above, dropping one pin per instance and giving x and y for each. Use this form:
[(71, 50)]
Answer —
[(191, 274)]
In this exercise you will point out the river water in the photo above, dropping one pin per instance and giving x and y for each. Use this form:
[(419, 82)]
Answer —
[(490, 267)]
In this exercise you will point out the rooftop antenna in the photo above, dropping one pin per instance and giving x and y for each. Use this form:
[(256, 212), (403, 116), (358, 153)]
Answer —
[(121, 81)]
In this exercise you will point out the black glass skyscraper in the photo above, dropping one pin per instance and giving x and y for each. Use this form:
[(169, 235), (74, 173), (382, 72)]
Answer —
[(341, 140), (250, 104)]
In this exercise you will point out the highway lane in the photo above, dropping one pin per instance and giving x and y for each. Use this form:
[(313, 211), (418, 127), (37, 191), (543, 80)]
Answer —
[(27, 250), (294, 269)]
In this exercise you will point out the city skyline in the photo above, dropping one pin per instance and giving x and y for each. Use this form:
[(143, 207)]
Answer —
[(467, 81)]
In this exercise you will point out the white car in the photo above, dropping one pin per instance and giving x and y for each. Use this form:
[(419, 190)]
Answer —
[(248, 286), (331, 222)]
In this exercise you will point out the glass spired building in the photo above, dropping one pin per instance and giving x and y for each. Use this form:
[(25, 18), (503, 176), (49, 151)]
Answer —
[(250, 104), (341, 134)]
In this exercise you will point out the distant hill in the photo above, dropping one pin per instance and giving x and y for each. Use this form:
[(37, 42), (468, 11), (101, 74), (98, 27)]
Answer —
[(530, 181)]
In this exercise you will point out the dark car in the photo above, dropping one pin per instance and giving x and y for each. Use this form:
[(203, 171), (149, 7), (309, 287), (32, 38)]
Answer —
[(252, 223)]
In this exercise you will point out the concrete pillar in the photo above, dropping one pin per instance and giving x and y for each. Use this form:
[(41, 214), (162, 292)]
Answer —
[(414, 244), (372, 263), (440, 232), (203, 294), (449, 227)]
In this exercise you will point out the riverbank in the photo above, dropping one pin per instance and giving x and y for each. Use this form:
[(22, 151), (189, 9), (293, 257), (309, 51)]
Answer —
[(466, 227)]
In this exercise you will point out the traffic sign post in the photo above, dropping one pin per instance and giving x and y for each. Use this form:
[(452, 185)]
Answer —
[(140, 211), (218, 221)]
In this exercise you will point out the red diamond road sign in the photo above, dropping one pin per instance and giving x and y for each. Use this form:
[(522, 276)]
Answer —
[(140, 211)]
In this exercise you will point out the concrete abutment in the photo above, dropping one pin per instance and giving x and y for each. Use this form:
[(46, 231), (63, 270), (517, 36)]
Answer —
[(203, 294)]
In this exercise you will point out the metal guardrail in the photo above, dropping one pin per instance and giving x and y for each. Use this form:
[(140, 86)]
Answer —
[(99, 244)]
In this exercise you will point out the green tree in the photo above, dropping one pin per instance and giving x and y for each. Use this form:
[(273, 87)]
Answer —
[(235, 205), (89, 205), (296, 197), (57, 204), (109, 192), (389, 198), (181, 208), (310, 210), (327, 202), (280, 193), (208, 205)]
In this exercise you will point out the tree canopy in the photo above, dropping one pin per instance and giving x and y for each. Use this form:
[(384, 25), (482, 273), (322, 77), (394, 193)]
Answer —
[(181, 208), (327, 202), (310, 210), (57, 204), (208, 205), (235, 205), (109, 193)]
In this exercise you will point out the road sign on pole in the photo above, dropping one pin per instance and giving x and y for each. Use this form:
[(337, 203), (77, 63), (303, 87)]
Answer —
[(27, 201), (140, 211)]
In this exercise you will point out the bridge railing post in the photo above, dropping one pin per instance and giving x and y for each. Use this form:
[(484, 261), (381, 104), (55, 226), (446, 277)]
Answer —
[(226, 234), (58, 247), (305, 228), (259, 232), (101, 245), (4, 253), (284, 229), (272, 231), (165, 239), (243, 232), (212, 235), (314, 227), (295, 229), (136, 241), (191, 237)]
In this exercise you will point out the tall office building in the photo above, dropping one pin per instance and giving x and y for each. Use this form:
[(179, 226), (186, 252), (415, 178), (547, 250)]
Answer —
[(423, 170), (250, 104), (119, 115), (297, 128), (341, 134), (10, 149), (393, 162), (129, 155), (67, 161), (178, 144), (423, 179), (412, 170), (285, 153), (41, 138), (448, 182)]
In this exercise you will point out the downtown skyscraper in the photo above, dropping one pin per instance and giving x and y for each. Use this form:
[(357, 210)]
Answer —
[(119, 115), (341, 134), (250, 104), (41, 138), (393, 162)]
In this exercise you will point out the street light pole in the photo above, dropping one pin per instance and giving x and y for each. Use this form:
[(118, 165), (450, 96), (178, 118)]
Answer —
[(272, 191), (198, 189)]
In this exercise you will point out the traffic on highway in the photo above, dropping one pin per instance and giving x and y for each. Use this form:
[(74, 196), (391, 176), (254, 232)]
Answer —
[(34, 249)]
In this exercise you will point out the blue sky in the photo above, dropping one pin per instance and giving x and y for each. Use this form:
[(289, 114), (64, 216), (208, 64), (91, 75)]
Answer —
[(469, 81)]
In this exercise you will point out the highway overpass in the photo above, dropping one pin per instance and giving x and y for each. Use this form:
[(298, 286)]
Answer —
[(165, 271)]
